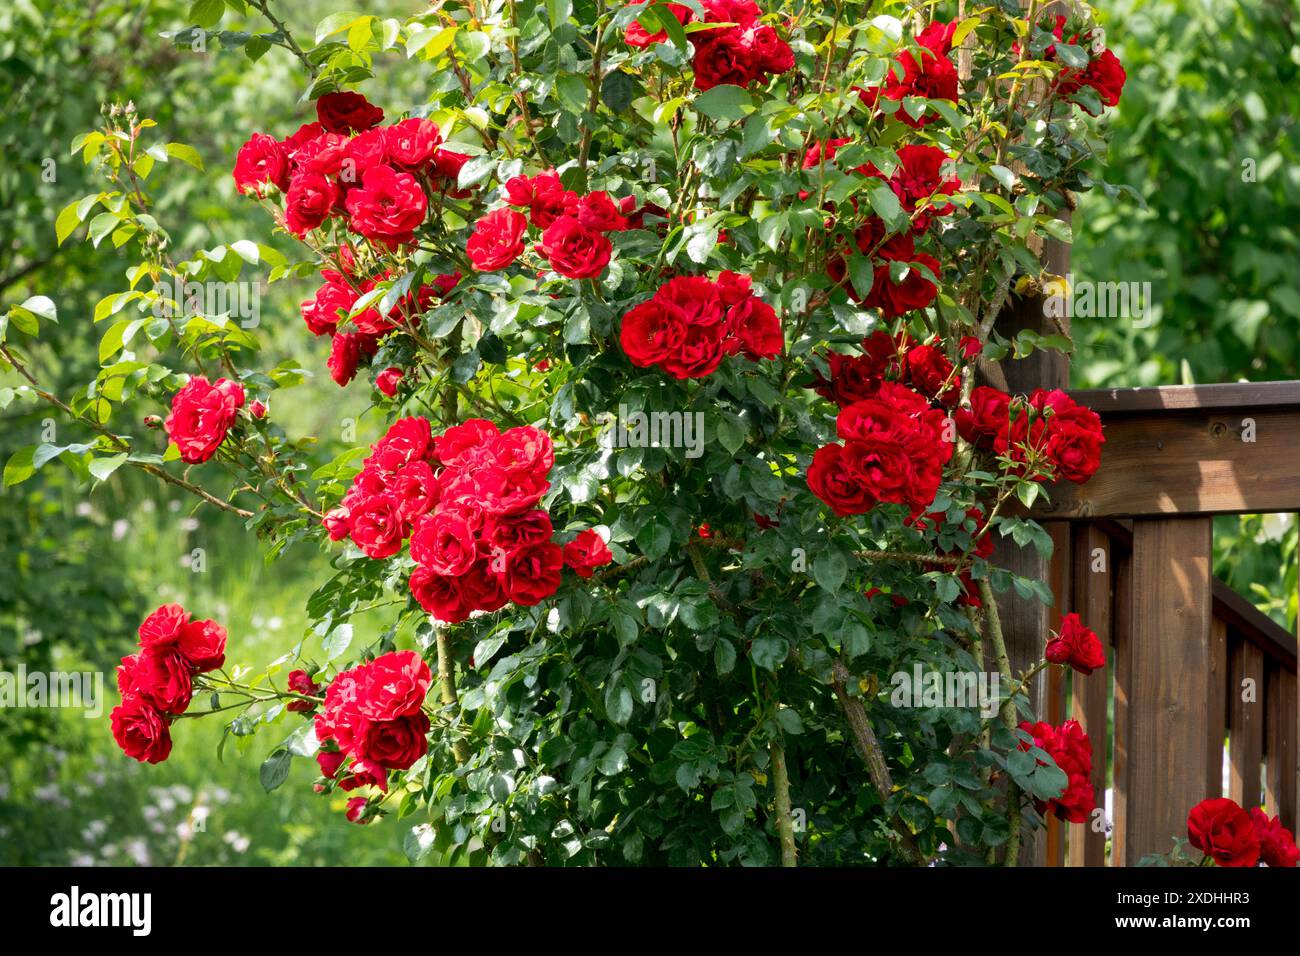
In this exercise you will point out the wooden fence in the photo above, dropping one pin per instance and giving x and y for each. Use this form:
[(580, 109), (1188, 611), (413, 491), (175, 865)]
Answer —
[(1198, 698)]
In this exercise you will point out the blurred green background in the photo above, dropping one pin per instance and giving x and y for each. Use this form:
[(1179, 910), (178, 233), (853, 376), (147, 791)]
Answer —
[(1206, 133)]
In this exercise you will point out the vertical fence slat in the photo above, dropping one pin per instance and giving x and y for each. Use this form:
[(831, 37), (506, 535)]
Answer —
[(1091, 694), (1169, 670), (1280, 745), (1245, 722), (1059, 573), (1123, 639), (1217, 709)]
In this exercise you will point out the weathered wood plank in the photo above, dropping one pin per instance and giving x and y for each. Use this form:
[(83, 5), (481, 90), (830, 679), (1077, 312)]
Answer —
[(1195, 462), (1168, 671), (1216, 708), (1280, 745), (1060, 581), (1245, 722), (1091, 694), (1123, 637), (1254, 625), (1228, 396)]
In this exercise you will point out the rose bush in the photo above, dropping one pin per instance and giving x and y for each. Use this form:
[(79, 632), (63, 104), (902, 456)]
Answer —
[(795, 225)]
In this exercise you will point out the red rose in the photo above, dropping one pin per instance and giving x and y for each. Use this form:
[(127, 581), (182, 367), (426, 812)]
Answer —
[(932, 77), (387, 207), (395, 686), (932, 373), (300, 682), (303, 134), (525, 451), (347, 112), (551, 201), (937, 37), (163, 627), (1077, 646), (439, 595), (332, 301), (831, 479), (444, 543), (446, 170), (1277, 846), (346, 351), (337, 524), (163, 675), (203, 645), (770, 53), (533, 574), (310, 201), (377, 527), (986, 419), (412, 143), (407, 439), (722, 56), (914, 291), (497, 240), (416, 489), (481, 588), (386, 381), (262, 160), (141, 731), (504, 535), (919, 177), (356, 812), (758, 328), (651, 332), (454, 445), (1220, 829), (700, 353), (1105, 74), (587, 552), (638, 37), (1071, 750), (574, 250), (598, 212), (323, 155), (395, 744), (202, 412)]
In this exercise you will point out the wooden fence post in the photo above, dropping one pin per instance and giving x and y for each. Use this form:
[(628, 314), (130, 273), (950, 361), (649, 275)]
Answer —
[(1169, 669)]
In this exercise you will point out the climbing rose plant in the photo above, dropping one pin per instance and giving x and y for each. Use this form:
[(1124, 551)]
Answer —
[(546, 638)]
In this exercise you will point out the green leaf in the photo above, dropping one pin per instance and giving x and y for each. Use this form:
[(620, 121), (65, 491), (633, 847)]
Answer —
[(418, 842), (559, 12), (67, 222), (101, 468), (207, 13), (337, 642), (275, 769), (769, 652), (862, 274), (617, 91), (724, 656), (829, 570), (724, 103), (20, 466), (186, 154), (618, 700)]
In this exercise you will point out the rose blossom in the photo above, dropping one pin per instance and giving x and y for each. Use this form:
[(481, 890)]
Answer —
[(202, 412)]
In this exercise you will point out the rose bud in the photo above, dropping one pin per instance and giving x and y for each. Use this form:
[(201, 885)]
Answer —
[(257, 409), (386, 381)]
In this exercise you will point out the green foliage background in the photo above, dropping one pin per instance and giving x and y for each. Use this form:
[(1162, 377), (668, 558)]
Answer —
[(1212, 93)]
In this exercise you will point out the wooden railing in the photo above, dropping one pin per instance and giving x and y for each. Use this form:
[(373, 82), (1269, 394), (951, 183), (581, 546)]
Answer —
[(1197, 679)]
